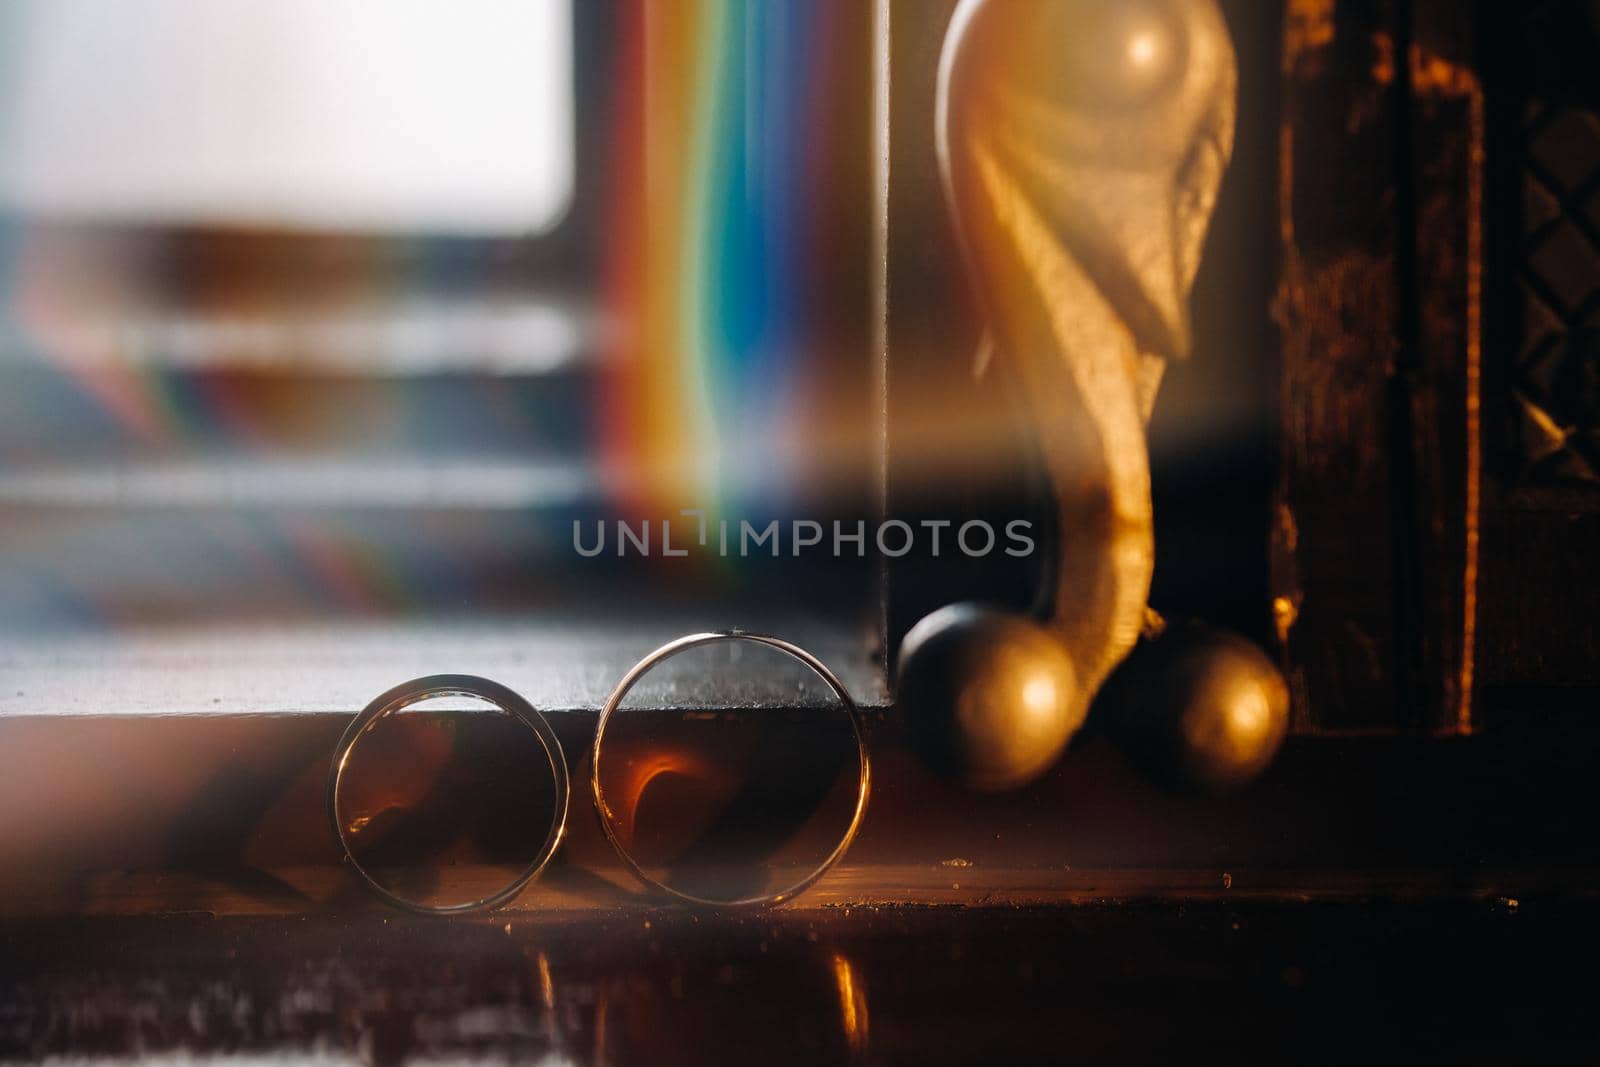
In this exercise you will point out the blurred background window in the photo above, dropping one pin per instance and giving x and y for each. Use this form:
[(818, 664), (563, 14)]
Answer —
[(327, 114), (322, 322)]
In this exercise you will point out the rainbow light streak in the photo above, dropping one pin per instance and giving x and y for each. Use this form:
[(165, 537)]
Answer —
[(715, 249)]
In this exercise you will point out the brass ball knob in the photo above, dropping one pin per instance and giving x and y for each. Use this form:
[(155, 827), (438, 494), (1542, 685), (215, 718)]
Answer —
[(1201, 705), (992, 697)]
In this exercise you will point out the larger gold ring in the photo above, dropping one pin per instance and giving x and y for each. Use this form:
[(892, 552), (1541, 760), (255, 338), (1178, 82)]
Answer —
[(683, 644), (456, 685)]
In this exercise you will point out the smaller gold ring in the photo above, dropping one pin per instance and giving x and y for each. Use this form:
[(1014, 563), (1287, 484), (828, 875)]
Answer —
[(683, 644), (453, 685)]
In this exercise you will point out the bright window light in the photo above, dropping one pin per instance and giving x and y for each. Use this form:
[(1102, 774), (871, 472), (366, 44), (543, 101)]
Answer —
[(451, 116)]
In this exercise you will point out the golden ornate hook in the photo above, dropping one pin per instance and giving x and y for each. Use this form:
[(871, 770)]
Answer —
[(1082, 144)]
